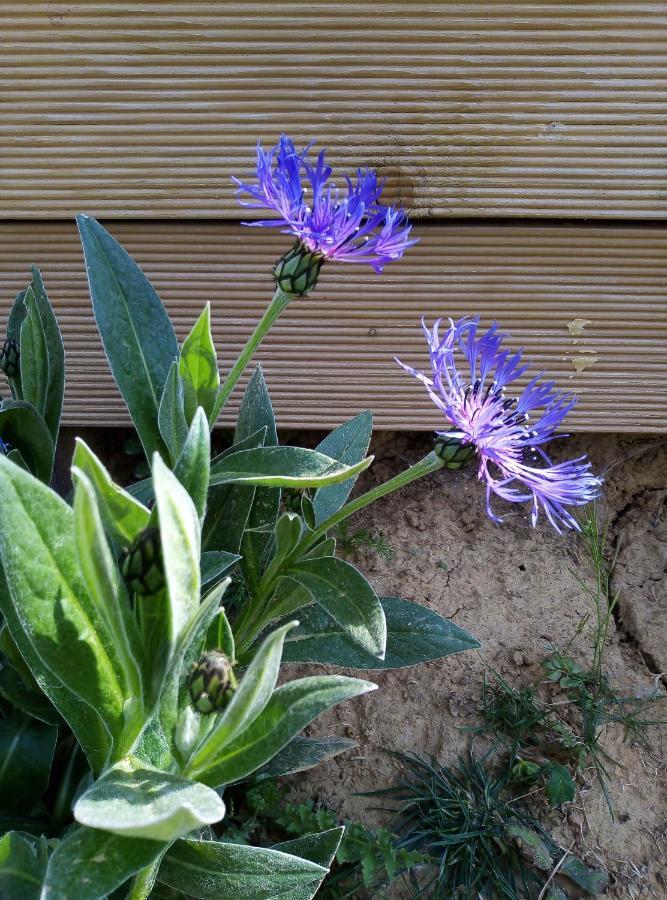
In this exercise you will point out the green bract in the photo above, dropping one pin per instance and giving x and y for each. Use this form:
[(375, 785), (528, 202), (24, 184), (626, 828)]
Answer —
[(122, 670)]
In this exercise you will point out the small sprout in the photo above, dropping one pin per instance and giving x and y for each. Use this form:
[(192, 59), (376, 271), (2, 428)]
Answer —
[(212, 683), (141, 564), (10, 358)]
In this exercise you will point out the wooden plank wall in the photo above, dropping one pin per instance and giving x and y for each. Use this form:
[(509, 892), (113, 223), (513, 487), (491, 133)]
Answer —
[(528, 139)]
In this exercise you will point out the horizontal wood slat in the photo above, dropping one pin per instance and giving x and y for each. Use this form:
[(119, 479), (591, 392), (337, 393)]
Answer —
[(469, 109), (332, 354)]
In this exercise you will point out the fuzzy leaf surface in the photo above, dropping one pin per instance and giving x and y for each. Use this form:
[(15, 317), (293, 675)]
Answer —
[(147, 803), (415, 634), (212, 870), (348, 444), (347, 597), (138, 337), (290, 709)]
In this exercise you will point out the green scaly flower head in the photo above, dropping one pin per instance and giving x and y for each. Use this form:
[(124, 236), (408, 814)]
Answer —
[(141, 564), (212, 683)]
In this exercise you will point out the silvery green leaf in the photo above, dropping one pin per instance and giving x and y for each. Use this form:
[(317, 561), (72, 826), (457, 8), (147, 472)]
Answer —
[(137, 334), (199, 367), (22, 866), (55, 351), (26, 754), (34, 356), (180, 537), (51, 615), (291, 707), (193, 466), (348, 444), (30, 436), (171, 413), (303, 753), (89, 864), (347, 597), (213, 870), (251, 697), (133, 801), (293, 467), (123, 516), (415, 634)]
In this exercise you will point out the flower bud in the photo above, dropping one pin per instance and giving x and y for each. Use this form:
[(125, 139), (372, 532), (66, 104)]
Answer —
[(9, 358), (453, 452), (141, 564), (212, 683), (296, 273)]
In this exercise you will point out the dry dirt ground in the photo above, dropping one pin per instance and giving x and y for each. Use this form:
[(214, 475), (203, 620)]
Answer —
[(513, 588)]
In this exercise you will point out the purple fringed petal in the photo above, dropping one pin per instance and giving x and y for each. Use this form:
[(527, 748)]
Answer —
[(349, 225), (472, 397)]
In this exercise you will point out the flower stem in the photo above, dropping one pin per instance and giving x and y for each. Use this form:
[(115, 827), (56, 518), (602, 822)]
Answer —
[(144, 880), (255, 619), (278, 304)]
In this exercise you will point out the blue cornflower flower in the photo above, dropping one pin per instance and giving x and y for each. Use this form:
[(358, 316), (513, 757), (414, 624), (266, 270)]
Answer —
[(348, 225), (472, 397)]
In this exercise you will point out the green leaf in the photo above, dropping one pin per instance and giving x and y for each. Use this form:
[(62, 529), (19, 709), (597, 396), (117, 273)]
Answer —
[(107, 591), (288, 533), (22, 866), (199, 367), (137, 334), (26, 754), (257, 413), (560, 788), (26, 699), (23, 427), (319, 848), (89, 864), (193, 466), (415, 634), (215, 563), (347, 597), (123, 516), (593, 881), (220, 635), (55, 351), (294, 467), (530, 846), (229, 505), (251, 697), (219, 871), (180, 537), (348, 444), (34, 359), (290, 709), (303, 753), (84, 720), (59, 621), (132, 801), (171, 413), (17, 314)]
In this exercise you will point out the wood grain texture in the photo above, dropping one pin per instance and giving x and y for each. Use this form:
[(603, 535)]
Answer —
[(469, 109), (332, 354)]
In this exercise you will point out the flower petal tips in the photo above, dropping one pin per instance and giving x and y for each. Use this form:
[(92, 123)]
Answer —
[(346, 224), (470, 372)]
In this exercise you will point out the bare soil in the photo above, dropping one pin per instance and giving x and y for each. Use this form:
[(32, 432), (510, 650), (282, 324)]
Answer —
[(513, 587)]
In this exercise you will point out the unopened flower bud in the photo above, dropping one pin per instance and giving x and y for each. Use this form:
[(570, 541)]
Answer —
[(141, 564), (453, 452), (296, 273), (212, 683), (9, 358)]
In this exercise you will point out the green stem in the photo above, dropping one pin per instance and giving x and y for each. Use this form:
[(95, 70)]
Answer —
[(256, 618), (278, 304), (144, 880)]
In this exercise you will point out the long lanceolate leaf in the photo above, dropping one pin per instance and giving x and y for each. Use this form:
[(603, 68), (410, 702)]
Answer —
[(50, 613), (349, 445), (250, 699), (55, 351), (294, 467), (137, 334), (213, 870), (290, 709)]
